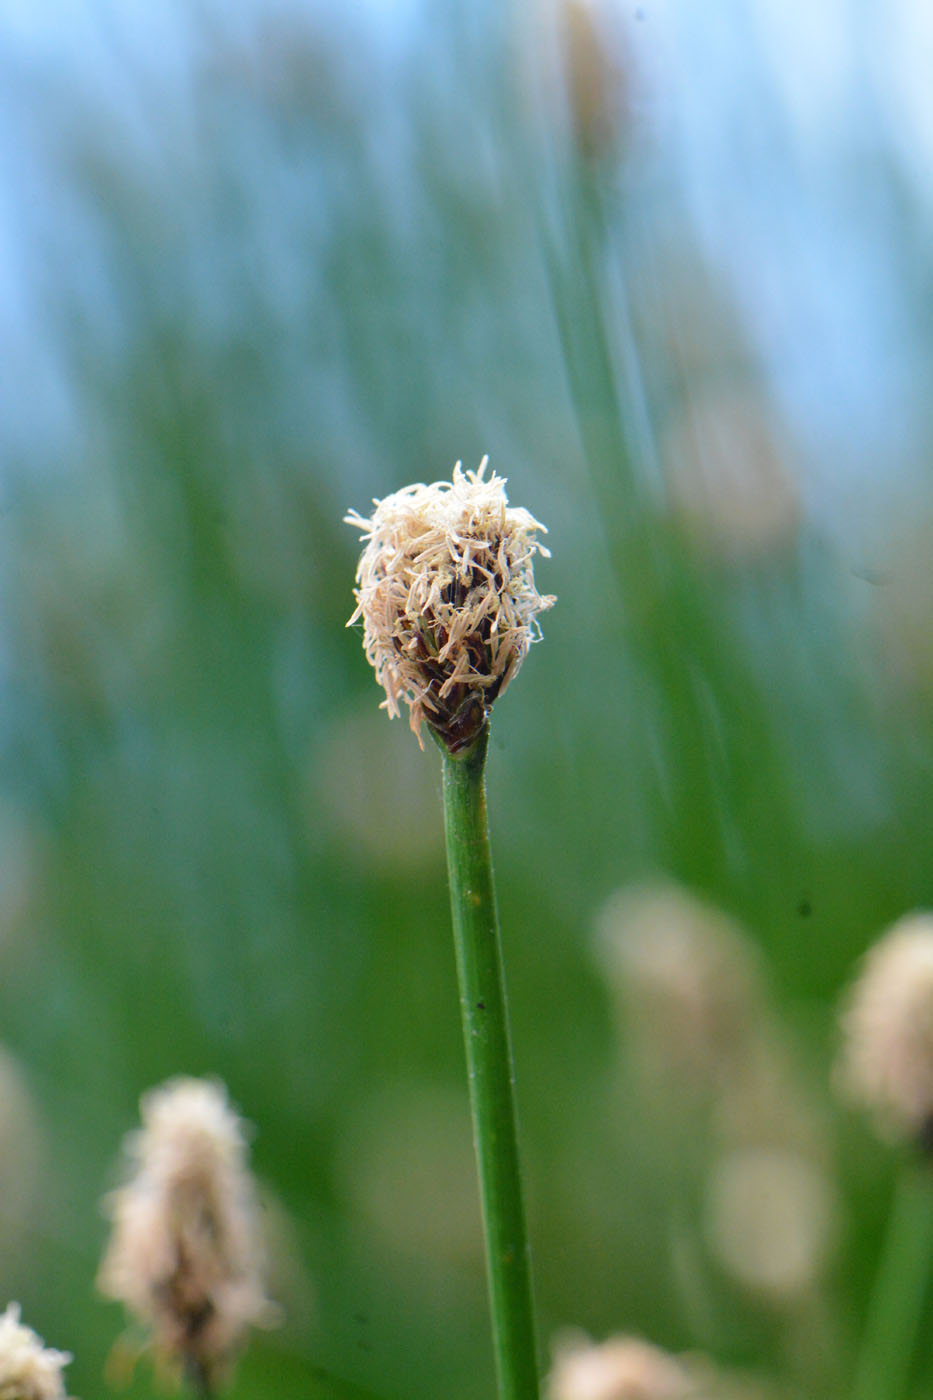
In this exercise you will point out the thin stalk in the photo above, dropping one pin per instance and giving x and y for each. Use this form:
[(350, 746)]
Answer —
[(489, 1064), (900, 1289), (198, 1379)]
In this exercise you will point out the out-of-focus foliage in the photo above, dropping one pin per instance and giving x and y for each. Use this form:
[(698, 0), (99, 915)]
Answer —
[(262, 264)]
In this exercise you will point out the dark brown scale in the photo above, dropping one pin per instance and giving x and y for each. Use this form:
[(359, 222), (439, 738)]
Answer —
[(461, 714), (460, 729), (457, 718), (197, 1320)]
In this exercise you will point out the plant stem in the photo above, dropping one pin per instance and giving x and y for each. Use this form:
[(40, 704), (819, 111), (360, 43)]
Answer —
[(489, 1064), (197, 1377), (900, 1288)]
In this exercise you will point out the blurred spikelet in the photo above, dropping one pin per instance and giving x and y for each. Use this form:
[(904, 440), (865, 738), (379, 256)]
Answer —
[(185, 1255), (621, 1368), (713, 1065), (686, 983), (727, 476), (769, 1219), (596, 77), (886, 1064), (627, 1368)]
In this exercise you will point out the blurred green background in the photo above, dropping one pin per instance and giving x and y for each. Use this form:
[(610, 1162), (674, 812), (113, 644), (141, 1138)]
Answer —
[(262, 263)]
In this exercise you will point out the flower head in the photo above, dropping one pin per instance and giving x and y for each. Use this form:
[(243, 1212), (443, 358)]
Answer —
[(446, 591), (627, 1368), (769, 1219), (184, 1256), (621, 1368), (887, 1059), (687, 982), (28, 1369)]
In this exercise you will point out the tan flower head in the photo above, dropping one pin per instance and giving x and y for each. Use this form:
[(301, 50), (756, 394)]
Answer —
[(687, 982), (184, 1256), (447, 595), (621, 1368), (28, 1370), (769, 1219), (887, 1058)]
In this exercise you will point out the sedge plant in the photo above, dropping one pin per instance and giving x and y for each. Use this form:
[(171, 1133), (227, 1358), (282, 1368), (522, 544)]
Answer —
[(446, 593)]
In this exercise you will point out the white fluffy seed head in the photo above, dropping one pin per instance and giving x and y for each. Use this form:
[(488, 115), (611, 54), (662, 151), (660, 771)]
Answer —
[(446, 592), (28, 1369), (185, 1256), (886, 1065)]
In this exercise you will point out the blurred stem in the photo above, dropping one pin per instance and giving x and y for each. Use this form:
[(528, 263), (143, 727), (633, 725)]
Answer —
[(197, 1377), (489, 1065), (900, 1288)]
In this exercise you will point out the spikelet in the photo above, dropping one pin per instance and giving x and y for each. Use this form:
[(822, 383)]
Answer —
[(446, 591), (770, 1220), (715, 1068), (887, 1057), (184, 1256), (628, 1368), (28, 1369), (688, 985), (621, 1368)]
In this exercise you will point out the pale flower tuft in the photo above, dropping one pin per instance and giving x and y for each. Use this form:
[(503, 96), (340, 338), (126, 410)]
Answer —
[(185, 1255), (687, 981), (621, 1368), (769, 1219), (446, 591), (887, 1059), (28, 1369)]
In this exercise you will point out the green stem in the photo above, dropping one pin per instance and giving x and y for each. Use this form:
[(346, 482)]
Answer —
[(489, 1064), (900, 1288), (197, 1376)]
